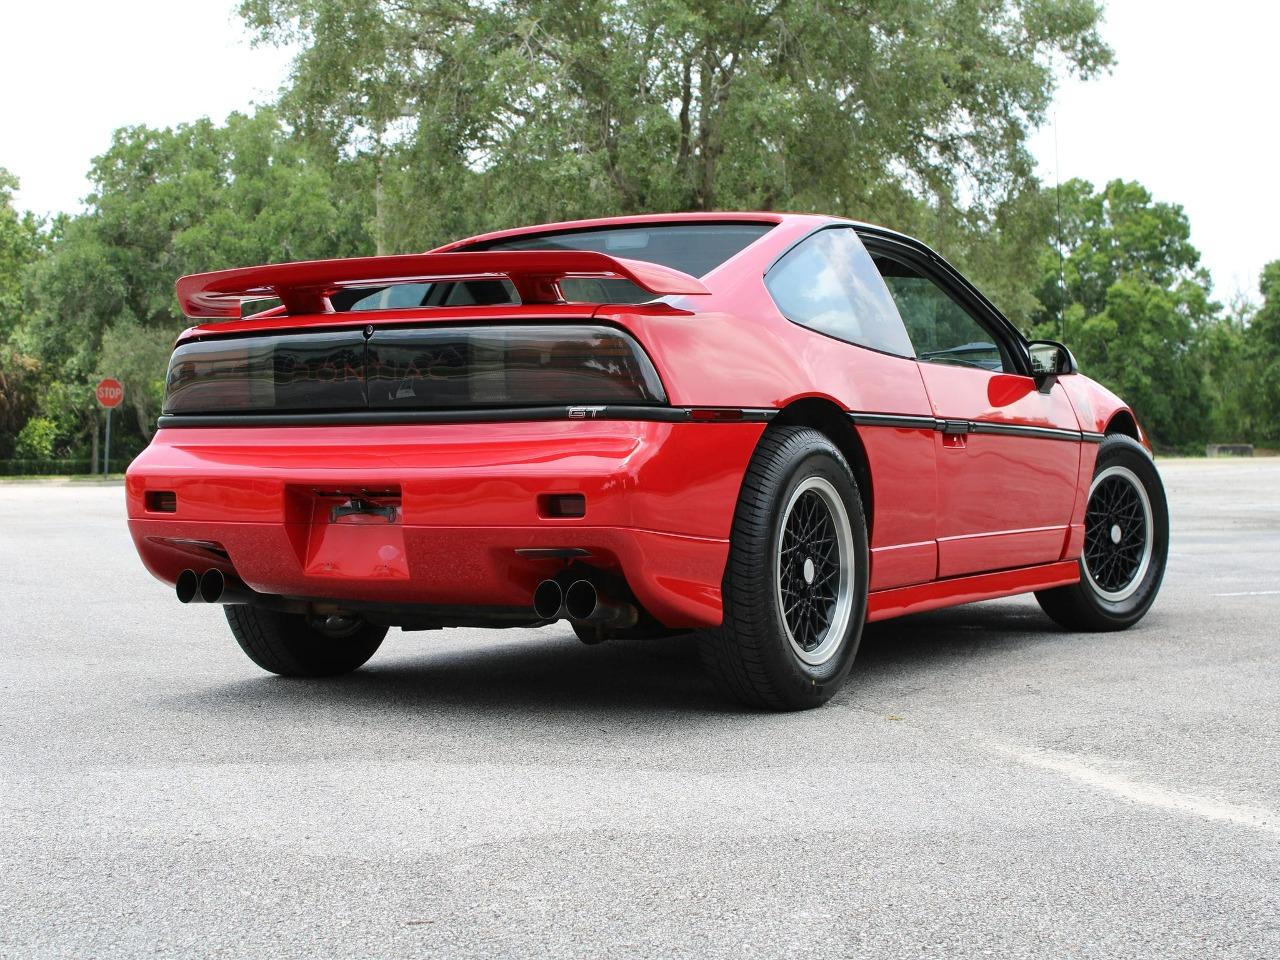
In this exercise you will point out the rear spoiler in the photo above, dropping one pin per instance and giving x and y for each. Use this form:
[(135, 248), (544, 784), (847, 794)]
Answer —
[(305, 287)]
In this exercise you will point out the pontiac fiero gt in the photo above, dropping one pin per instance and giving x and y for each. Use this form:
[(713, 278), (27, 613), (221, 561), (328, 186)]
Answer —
[(760, 429)]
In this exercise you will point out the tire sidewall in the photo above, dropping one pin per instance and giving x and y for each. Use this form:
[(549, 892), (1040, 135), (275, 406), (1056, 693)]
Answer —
[(1125, 452), (823, 460)]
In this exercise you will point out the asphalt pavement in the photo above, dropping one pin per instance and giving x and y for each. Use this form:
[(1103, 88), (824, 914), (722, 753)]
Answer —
[(988, 785)]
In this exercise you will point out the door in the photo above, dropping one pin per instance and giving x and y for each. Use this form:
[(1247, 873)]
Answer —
[(1008, 452)]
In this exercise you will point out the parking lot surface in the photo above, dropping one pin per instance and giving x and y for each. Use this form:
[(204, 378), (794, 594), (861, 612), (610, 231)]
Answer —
[(987, 785)]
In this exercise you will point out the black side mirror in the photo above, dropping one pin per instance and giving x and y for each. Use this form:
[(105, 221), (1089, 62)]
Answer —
[(1049, 361)]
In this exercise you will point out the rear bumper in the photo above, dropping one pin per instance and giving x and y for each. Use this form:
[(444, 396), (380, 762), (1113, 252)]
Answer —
[(659, 505)]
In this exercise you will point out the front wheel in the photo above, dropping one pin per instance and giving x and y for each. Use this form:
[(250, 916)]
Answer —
[(795, 587), (1126, 543), (296, 645)]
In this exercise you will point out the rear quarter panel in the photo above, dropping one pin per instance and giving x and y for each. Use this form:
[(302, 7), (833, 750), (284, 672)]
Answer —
[(735, 349)]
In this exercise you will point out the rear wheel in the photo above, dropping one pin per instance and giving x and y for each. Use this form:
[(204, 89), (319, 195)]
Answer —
[(795, 587), (1126, 543), (296, 645)]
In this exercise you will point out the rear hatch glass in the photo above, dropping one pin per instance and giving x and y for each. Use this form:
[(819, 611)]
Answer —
[(692, 248)]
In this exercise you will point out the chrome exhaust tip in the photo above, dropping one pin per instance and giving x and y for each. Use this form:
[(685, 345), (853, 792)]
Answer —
[(548, 599), (187, 588)]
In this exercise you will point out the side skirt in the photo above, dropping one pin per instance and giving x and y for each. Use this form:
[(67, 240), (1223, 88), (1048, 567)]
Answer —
[(885, 604)]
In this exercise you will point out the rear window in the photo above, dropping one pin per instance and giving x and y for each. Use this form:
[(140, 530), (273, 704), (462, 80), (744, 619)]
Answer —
[(692, 248), (452, 293)]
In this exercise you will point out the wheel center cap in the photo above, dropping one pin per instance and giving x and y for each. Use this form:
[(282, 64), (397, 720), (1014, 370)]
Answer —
[(808, 570), (1115, 533)]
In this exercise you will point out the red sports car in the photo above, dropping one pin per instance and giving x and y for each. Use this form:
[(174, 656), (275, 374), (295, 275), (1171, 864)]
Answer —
[(762, 429)]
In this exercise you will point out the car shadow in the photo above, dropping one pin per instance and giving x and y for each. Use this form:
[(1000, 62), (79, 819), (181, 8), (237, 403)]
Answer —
[(927, 641), (526, 674)]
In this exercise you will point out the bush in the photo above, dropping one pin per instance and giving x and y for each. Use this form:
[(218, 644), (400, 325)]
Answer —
[(45, 468), (36, 439)]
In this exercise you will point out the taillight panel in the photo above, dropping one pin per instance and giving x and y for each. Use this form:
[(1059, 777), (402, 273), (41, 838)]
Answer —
[(507, 366), (424, 368)]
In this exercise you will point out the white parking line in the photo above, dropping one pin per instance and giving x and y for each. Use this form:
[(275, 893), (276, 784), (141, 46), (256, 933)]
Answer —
[(1257, 818), (1250, 593)]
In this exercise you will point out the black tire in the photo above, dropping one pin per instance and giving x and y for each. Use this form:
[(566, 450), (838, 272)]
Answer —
[(754, 657), (1090, 605), (291, 645)]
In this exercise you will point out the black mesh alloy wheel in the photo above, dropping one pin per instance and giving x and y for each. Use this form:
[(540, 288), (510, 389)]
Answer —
[(795, 586), (1126, 543), (1117, 533)]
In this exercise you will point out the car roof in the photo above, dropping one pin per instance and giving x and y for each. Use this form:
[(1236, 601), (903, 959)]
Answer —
[(793, 227), (704, 216)]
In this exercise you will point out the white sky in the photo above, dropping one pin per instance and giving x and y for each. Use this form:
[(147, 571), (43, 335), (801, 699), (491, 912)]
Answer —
[(1189, 109)]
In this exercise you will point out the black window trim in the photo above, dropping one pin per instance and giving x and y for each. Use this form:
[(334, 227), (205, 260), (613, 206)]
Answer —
[(937, 270)]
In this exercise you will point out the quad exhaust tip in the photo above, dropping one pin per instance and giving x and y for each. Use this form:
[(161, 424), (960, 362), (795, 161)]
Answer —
[(585, 604), (213, 586), (216, 587), (548, 600), (188, 587)]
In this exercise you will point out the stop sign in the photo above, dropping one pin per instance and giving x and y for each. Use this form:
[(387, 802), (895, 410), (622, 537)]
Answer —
[(110, 392)]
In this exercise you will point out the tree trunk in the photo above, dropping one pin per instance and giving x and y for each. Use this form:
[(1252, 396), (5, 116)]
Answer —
[(145, 424)]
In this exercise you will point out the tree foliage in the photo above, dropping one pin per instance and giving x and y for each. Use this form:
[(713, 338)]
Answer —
[(479, 114), (1262, 353), (166, 203), (407, 123), (1124, 287), (21, 243)]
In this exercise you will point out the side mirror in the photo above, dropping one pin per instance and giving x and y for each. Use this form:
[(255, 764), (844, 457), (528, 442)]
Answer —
[(1049, 361)]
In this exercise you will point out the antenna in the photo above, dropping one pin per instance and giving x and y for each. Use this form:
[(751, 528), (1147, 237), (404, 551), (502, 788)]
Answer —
[(1062, 268)]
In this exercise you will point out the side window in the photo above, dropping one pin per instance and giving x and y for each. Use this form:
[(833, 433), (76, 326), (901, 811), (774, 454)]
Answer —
[(829, 283), (941, 330)]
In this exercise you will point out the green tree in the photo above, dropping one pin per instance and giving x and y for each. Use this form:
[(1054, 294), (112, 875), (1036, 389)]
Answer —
[(19, 377), (1230, 374), (138, 356), (1262, 344), (1132, 302), (21, 243), (166, 203), (472, 115)]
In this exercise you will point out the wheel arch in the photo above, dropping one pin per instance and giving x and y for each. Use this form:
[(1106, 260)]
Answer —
[(1124, 422), (831, 421)]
